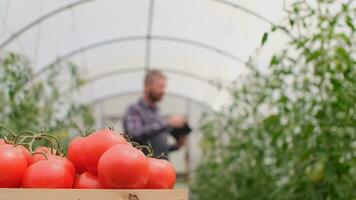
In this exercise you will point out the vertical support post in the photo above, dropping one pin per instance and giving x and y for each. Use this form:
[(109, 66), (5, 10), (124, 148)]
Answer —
[(150, 19)]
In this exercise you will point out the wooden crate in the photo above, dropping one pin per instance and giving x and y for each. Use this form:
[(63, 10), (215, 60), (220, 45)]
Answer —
[(50, 194)]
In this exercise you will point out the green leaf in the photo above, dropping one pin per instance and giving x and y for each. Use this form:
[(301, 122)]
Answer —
[(344, 38), (313, 55), (264, 38), (301, 43), (274, 28), (349, 23), (343, 53), (274, 60), (345, 7)]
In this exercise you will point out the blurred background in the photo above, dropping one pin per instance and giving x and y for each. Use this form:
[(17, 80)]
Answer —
[(82, 63)]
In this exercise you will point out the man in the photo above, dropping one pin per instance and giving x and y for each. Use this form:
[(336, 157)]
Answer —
[(143, 121)]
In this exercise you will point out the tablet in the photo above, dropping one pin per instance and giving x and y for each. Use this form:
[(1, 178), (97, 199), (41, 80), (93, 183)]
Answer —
[(179, 132)]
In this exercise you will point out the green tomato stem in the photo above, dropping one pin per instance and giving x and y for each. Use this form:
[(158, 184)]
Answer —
[(8, 130), (41, 154), (23, 133), (47, 136)]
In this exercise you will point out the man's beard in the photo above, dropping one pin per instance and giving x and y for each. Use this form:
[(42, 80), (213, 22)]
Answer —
[(154, 97)]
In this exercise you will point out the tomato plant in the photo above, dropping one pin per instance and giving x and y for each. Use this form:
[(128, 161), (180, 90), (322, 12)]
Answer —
[(290, 130), (29, 102), (123, 167)]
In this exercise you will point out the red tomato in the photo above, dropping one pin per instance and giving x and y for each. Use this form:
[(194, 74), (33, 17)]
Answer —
[(47, 152), (69, 165), (48, 174), (96, 144), (106, 186), (87, 181), (27, 154), (162, 174), (123, 167), (13, 165), (74, 154)]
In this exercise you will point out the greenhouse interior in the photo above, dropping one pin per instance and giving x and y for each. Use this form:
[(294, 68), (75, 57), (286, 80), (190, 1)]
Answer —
[(219, 99)]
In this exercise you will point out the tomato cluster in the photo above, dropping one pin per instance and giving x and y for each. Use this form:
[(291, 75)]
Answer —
[(102, 160)]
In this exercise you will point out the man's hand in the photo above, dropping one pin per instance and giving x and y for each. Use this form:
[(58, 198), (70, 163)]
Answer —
[(176, 121)]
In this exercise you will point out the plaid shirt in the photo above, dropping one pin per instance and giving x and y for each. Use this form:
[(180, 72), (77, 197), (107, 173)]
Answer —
[(145, 124)]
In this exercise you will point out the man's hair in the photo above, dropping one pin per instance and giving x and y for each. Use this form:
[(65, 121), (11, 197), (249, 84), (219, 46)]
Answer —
[(151, 75)]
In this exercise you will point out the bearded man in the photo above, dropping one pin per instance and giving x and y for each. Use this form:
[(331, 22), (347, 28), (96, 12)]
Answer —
[(143, 121)]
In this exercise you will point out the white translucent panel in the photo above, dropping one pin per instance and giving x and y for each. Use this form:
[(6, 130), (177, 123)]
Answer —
[(195, 89), (107, 38), (209, 22), (60, 36), (112, 18), (173, 105), (73, 28), (195, 60), (269, 9), (113, 109), (118, 105), (111, 86), (19, 13), (111, 58)]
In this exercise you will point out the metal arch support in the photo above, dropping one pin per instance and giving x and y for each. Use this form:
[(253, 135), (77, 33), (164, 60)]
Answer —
[(148, 47), (78, 3), (126, 93), (199, 44), (136, 38), (252, 13), (139, 69), (246, 10), (40, 19), (86, 48), (114, 73)]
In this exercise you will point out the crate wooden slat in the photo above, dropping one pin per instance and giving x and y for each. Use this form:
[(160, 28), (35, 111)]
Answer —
[(50, 194)]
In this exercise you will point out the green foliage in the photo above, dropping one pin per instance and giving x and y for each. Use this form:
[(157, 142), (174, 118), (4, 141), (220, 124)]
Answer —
[(34, 103), (290, 132)]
